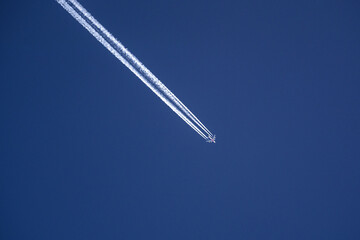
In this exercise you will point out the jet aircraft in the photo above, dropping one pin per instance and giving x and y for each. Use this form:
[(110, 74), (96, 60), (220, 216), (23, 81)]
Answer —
[(211, 139)]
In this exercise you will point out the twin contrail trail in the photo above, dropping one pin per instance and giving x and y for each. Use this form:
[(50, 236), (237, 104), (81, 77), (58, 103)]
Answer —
[(130, 61)]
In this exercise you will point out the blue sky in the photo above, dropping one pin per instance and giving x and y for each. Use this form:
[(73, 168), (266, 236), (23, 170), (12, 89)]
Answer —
[(89, 152)]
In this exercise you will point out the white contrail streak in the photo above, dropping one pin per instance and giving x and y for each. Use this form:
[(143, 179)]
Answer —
[(112, 50), (95, 28), (117, 55), (140, 66)]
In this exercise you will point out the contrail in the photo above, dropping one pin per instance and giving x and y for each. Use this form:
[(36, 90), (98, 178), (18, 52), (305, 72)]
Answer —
[(139, 65), (131, 62), (117, 55)]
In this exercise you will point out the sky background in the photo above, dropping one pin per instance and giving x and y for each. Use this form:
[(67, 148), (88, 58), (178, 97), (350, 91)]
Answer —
[(87, 151)]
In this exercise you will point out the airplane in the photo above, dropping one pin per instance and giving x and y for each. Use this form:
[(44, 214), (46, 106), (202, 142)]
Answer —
[(211, 139)]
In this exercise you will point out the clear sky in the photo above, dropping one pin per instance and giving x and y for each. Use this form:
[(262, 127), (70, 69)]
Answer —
[(87, 151)]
